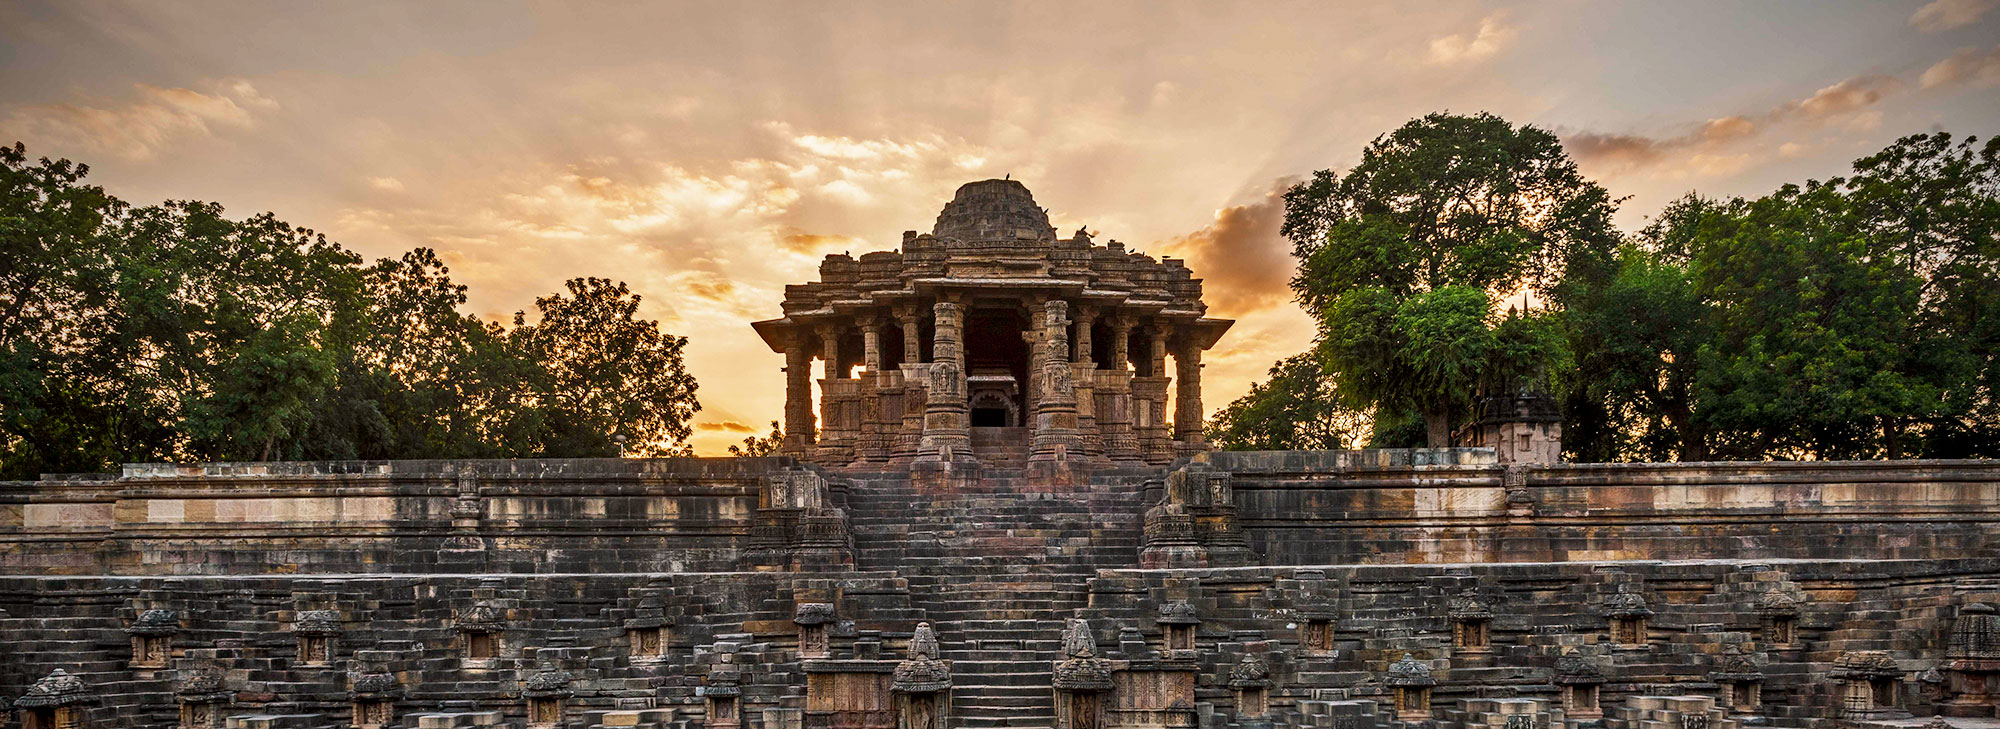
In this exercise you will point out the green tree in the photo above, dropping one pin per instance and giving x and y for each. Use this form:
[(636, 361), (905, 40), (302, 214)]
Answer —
[(1932, 207), (1811, 318), (754, 446), (602, 372), (1296, 409), (61, 373), (236, 328), (1403, 259), (1635, 331)]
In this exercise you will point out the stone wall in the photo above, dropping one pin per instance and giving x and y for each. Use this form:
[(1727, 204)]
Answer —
[(1317, 588), (582, 515), (1395, 507)]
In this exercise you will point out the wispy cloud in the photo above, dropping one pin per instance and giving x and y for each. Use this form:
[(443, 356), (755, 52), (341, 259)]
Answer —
[(1943, 15), (1968, 66), (1707, 148), (139, 126), (1492, 36)]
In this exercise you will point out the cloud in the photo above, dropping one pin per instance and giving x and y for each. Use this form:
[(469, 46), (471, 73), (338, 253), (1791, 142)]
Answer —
[(386, 184), (1492, 36), (1244, 264), (1968, 65), (1701, 151), (1942, 15), (726, 426), (1848, 95), (137, 128)]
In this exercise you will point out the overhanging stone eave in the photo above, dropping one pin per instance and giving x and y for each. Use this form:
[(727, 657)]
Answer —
[(772, 331)]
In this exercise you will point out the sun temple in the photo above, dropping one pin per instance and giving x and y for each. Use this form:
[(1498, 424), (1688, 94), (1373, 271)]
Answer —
[(990, 335), (994, 509)]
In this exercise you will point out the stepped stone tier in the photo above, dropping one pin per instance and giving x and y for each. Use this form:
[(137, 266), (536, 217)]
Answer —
[(899, 570), (988, 336)]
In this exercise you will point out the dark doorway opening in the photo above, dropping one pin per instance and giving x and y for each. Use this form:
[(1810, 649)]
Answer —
[(989, 418)]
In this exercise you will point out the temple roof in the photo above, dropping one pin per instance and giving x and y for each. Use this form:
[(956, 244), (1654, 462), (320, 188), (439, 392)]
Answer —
[(994, 211), (991, 241)]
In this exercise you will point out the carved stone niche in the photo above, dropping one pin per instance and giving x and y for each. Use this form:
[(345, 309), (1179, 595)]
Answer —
[(316, 631), (152, 637), (1082, 680), (480, 628), (373, 699), (1779, 612), (55, 702), (1741, 682), (1869, 682), (815, 620), (1471, 622), (922, 684), (1579, 679), (1410, 682), (546, 692), (1316, 637), (1628, 615), (722, 692), (649, 632), (202, 699), (1178, 623), (1972, 661), (1251, 680)]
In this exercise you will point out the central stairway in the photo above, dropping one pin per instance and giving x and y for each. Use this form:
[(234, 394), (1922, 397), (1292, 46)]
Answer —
[(994, 565)]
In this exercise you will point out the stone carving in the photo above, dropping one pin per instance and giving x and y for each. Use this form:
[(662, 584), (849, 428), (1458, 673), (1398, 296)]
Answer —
[(156, 622), (1179, 612), (1081, 670), (1250, 672), (317, 623), (57, 689), (922, 672), (1409, 672), (1576, 670)]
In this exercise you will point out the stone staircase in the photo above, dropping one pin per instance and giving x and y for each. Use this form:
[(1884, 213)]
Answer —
[(1001, 447), (996, 565), (1504, 714), (1668, 712)]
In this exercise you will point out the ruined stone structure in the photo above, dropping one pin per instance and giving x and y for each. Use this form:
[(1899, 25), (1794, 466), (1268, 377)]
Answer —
[(989, 338), (900, 570)]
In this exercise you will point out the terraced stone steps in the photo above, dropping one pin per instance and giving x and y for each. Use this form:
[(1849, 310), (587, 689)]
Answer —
[(996, 565)]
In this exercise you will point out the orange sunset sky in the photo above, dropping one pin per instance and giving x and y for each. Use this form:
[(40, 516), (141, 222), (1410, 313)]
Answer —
[(710, 154)]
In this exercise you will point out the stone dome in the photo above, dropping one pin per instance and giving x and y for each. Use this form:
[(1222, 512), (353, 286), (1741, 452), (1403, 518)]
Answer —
[(994, 211)]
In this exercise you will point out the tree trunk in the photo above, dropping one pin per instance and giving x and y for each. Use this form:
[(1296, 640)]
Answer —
[(1437, 428), (1891, 438)]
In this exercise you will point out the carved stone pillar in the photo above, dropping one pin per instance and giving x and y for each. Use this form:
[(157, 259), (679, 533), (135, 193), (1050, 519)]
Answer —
[(1149, 399), (871, 344), (1055, 436), (838, 427), (915, 377), (1188, 434), (947, 422), (829, 350), (1114, 418), (799, 434), (1085, 376), (913, 335)]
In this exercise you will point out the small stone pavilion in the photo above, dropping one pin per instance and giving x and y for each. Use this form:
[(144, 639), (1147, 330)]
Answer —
[(991, 339)]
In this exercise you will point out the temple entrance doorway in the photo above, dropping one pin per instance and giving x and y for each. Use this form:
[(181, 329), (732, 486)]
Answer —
[(996, 364)]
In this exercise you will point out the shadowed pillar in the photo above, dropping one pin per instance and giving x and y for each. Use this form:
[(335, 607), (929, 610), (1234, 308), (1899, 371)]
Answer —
[(1187, 398), (798, 392)]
